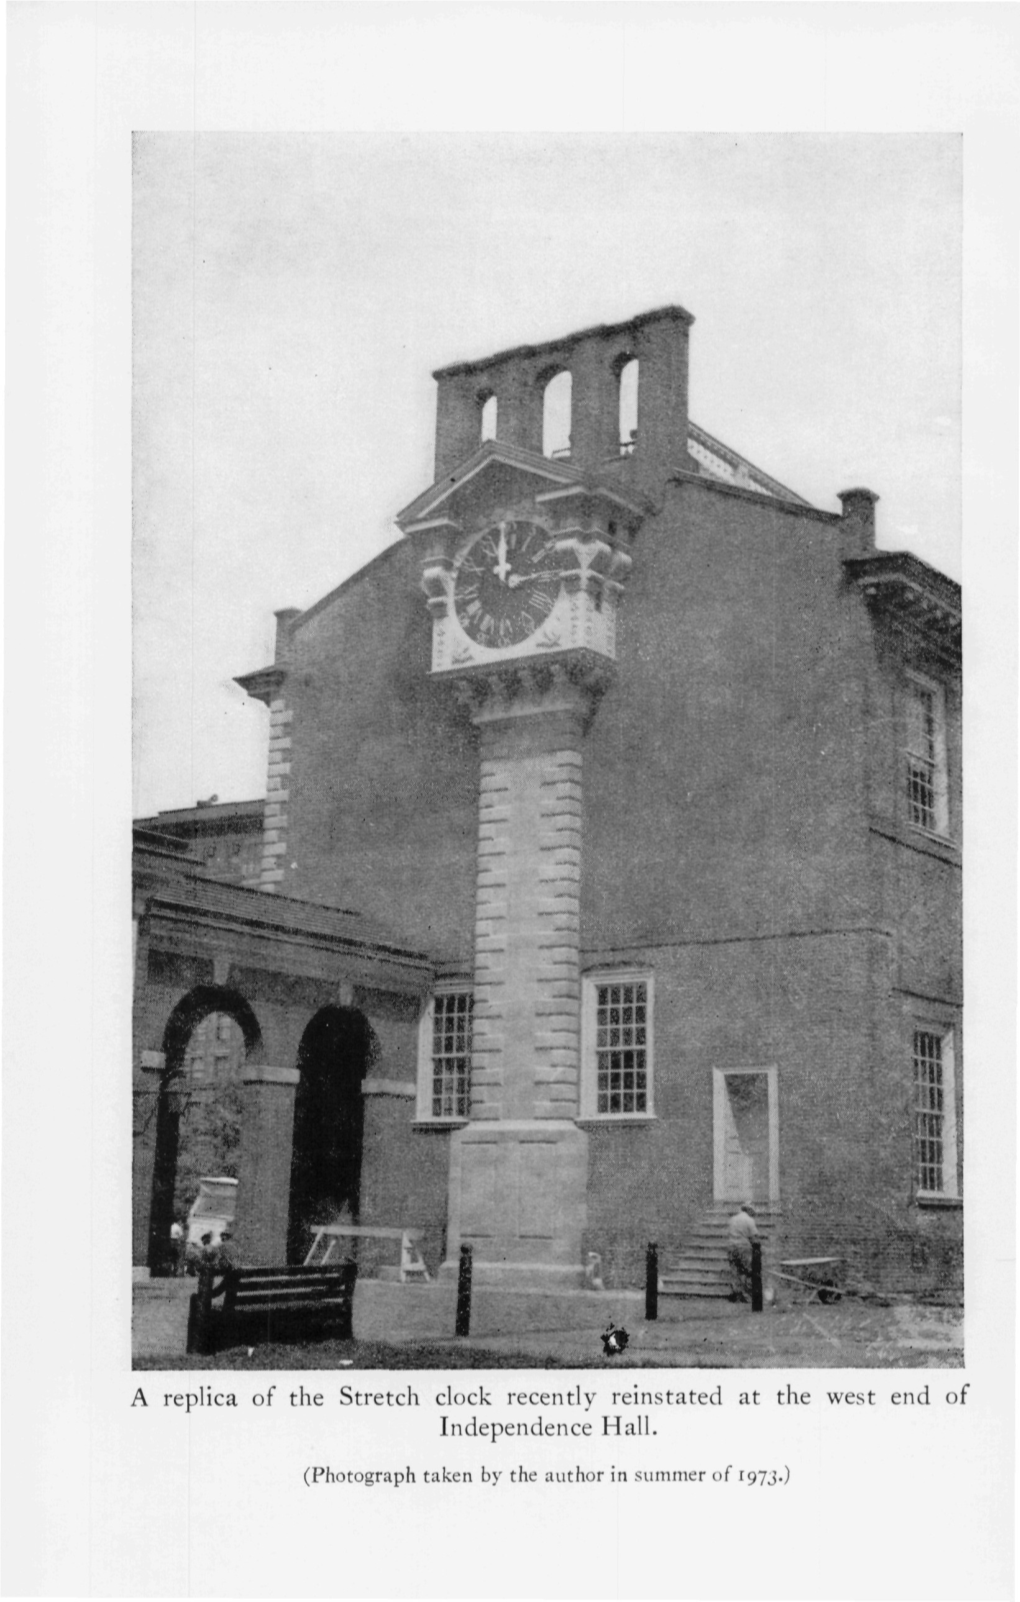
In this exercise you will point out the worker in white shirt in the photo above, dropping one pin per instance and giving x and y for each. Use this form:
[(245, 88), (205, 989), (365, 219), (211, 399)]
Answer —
[(742, 1231), (176, 1247)]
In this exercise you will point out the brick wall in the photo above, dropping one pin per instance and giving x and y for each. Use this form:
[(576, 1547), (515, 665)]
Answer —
[(725, 763), (801, 1005), (732, 776), (383, 816)]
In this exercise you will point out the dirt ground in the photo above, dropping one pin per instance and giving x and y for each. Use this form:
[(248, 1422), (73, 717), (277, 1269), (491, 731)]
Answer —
[(718, 1335)]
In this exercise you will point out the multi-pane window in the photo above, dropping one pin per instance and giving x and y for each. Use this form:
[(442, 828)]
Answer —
[(934, 1112), (216, 1049), (926, 756), (449, 1066), (622, 1059)]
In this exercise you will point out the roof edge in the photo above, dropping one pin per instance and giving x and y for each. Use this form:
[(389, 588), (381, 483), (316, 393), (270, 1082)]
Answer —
[(674, 313), (760, 497), (881, 564), (500, 452)]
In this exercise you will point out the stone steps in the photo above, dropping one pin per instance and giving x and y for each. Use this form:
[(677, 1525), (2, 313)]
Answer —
[(702, 1267)]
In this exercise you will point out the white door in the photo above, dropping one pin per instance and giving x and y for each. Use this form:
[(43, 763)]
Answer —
[(737, 1164), (746, 1159)]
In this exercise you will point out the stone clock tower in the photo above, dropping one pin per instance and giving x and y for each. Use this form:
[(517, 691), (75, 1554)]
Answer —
[(524, 561)]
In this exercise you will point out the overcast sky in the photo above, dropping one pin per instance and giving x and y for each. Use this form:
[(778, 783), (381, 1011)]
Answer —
[(293, 293)]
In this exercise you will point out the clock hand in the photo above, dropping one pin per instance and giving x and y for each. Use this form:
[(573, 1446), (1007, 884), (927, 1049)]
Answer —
[(502, 566), (517, 579)]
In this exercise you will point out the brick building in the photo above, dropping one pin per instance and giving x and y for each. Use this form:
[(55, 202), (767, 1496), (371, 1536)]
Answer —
[(661, 773), (225, 837)]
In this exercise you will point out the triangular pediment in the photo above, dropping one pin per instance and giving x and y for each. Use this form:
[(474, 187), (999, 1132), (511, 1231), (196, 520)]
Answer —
[(496, 474)]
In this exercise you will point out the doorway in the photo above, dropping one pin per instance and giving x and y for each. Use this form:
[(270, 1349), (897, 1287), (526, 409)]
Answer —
[(746, 1135), (325, 1173)]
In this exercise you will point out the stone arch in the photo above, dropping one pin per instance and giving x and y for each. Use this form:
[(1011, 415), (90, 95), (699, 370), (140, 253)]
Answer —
[(336, 1051), (488, 410), (556, 386), (171, 1101), (195, 1006)]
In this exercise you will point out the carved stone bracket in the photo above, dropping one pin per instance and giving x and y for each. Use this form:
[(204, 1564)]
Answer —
[(571, 682)]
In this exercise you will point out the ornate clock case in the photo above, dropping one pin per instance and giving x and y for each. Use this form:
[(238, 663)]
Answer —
[(517, 567)]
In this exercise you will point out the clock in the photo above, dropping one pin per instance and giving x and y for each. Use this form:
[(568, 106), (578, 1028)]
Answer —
[(506, 583)]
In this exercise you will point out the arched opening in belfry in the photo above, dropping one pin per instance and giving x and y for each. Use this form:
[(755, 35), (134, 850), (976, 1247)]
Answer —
[(209, 1036), (325, 1175), (489, 416), (627, 382), (556, 403)]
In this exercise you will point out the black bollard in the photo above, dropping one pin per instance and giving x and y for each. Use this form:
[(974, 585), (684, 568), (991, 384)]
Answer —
[(652, 1281), (464, 1293), (756, 1296)]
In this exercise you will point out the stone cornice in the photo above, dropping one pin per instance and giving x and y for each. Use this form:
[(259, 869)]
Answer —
[(915, 598), (433, 513), (186, 910), (265, 683), (212, 905), (542, 471), (592, 497), (158, 843)]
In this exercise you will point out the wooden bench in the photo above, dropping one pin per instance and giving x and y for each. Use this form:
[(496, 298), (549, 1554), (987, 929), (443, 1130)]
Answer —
[(271, 1304), (328, 1238)]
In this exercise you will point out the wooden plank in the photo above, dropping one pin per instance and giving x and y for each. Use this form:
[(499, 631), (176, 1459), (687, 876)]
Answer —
[(281, 1297), (338, 1231), (809, 1262), (297, 1272), (287, 1312), (287, 1288), (330, 1279), (323, 1276), (247, 1293), (269, 1293)]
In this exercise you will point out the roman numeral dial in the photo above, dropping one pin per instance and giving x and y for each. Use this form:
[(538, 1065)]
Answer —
[(506, 584)]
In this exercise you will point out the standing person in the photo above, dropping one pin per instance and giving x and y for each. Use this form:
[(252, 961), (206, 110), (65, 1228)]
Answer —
[(176, 1248), (208, 1262), (742, 1231), (201, 1302)]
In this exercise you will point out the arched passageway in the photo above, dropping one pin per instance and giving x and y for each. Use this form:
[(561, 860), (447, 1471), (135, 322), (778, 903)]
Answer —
[(209, 1036), (556, 412), (627, 373), (325, 1176)]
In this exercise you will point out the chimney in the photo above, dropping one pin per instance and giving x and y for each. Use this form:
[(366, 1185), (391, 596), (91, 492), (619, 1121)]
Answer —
[(857, 531), (284, 623)]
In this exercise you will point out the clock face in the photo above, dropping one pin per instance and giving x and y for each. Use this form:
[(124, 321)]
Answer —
[(506, 584)]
